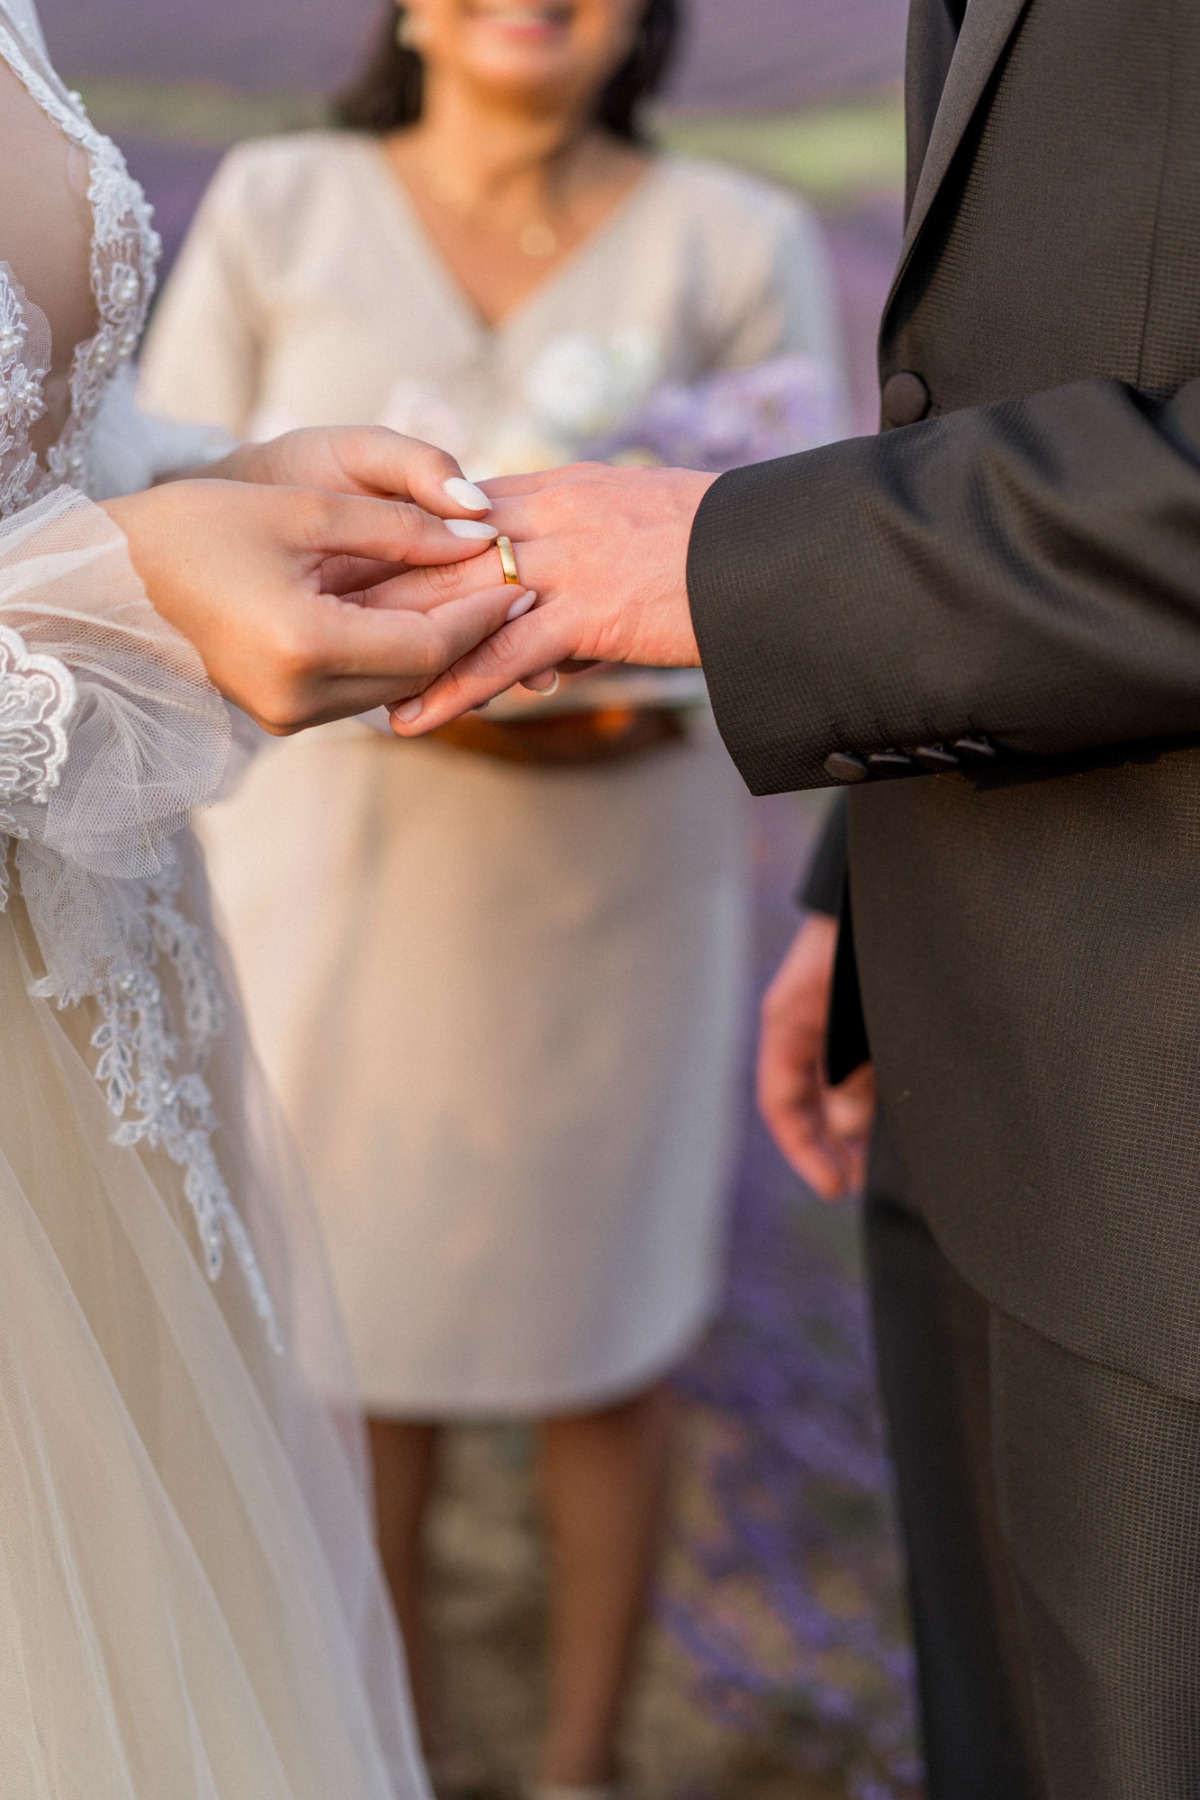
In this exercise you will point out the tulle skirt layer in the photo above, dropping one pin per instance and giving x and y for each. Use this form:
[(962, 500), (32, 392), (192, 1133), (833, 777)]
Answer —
[(190, 1605)]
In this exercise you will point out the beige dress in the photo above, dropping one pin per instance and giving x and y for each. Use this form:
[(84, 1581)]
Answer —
[(502, 1005), (190, 1605)]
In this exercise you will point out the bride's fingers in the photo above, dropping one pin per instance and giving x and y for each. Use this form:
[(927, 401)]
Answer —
[(421, 588), (458, 627), (524, 649), (334, 659), (391, 531), (353, 575), (391, 464)]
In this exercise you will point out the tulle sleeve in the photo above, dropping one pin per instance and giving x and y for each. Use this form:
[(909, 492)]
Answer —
[(110, 732)]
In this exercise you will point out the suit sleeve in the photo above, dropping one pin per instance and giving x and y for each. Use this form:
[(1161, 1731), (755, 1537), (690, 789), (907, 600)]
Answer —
[(1028, 572)]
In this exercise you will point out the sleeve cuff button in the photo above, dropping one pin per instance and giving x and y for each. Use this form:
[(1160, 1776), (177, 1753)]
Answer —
[(844, 766)]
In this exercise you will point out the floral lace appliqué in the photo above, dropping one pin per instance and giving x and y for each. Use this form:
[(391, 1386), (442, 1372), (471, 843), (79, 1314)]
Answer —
[(37, 696), (22, 372), (152, 1074)]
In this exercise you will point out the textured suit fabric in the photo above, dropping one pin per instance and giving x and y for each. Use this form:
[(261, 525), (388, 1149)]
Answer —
[(932, 1341), (1052, 1522), (1098, 1478), (1025, 564)]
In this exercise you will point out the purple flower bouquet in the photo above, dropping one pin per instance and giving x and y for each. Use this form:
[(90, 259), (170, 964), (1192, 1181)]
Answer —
[(726, 421)]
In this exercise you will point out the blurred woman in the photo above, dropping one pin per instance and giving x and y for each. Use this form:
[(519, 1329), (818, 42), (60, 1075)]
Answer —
[(504, 1009)]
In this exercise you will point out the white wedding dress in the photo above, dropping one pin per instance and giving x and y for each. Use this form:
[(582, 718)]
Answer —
[(190, 1606)]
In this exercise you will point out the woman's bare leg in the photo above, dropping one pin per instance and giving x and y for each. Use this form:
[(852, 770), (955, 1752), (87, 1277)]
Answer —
[(404, 1454), (603, 1476)]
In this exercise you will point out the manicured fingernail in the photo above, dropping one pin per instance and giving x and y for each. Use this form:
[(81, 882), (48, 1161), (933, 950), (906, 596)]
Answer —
[(470, 528), (410, 710), (520, 605), (465, 493), (545, 683)]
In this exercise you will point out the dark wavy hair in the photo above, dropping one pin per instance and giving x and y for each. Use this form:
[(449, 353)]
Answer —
[(388, 93)]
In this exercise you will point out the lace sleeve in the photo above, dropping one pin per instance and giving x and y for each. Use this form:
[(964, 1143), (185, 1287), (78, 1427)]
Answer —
[(110, 733)]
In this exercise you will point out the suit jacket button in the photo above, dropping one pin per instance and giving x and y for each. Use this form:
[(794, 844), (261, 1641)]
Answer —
[(905, 398), (889, 762), (937, 758), (843, 765)]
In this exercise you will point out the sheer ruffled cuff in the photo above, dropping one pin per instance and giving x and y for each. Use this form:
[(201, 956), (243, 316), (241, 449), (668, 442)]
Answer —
[(110, 731)]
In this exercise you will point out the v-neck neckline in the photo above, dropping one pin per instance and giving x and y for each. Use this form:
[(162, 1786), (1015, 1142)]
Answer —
[(405, 212)]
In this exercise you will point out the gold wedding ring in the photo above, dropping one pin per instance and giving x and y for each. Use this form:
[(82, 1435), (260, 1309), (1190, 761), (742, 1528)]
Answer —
[(508, 561)]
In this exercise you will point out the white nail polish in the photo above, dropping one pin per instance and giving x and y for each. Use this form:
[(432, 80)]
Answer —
[(465, 493), (521, 605), (410, 710), (470, 528)]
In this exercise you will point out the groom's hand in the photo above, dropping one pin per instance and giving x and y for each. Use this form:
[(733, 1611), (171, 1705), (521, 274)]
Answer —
[(823, 1132), (605, 550)]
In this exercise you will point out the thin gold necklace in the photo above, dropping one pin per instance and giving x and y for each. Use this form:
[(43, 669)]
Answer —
[(537, 238)]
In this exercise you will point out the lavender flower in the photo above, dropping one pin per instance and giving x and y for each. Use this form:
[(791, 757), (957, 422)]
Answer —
[(726, 421)]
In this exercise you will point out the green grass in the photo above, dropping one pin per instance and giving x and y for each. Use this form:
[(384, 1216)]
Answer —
[(195, 112), (836, 154)]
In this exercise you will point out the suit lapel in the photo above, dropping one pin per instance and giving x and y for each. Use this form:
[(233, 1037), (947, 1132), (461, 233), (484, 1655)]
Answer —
[(986, 30), (932, 35)]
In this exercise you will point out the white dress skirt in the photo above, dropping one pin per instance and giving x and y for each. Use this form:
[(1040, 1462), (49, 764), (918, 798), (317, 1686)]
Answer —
[(503, 1005)]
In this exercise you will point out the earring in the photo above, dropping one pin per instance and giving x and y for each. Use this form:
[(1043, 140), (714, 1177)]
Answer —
[(406, 36)]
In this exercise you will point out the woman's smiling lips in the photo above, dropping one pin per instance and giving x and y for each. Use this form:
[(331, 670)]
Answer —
[(539, 20)]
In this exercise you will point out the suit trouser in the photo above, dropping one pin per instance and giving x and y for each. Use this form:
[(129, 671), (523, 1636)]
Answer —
[(1051, 1514)]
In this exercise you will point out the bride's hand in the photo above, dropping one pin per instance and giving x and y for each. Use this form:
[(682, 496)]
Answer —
[(361, 459), (353, 459), (255, 577)]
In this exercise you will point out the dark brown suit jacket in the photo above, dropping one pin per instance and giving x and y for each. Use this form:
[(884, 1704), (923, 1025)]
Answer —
[(1017, 573)]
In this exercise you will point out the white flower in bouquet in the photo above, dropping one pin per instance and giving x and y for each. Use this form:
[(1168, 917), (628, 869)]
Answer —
[(582, 385)]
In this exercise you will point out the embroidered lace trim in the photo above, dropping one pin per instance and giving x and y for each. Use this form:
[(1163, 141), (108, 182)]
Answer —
[(153, 1081), (37, 696)]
